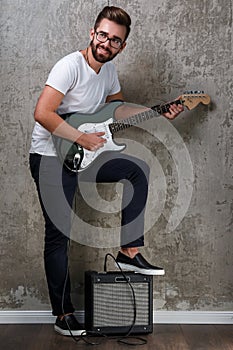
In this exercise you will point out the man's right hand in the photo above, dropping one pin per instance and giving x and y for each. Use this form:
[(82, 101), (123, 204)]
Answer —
[(92, 141)]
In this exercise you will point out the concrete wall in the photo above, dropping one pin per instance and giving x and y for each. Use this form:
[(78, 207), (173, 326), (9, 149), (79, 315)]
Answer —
[(174, 46)]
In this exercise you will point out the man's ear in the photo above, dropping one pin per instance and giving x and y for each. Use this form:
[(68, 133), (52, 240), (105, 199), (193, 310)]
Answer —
[(122, 47), (92, 33)]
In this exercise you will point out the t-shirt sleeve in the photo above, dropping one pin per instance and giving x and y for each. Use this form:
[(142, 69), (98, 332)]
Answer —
[(62, 76)]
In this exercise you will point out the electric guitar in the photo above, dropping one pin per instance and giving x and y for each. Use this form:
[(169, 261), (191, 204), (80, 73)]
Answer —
[(77, 159)]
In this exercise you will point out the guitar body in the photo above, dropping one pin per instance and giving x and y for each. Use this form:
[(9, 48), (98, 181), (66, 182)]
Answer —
[(77, 158)]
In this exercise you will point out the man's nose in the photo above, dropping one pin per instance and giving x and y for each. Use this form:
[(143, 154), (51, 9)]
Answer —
[(107, 43)]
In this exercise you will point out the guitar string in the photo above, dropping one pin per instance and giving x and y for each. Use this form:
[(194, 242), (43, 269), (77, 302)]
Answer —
[(140, 117)]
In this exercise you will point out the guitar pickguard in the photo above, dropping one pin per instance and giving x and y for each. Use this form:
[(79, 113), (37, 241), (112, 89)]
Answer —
[(110, 145)]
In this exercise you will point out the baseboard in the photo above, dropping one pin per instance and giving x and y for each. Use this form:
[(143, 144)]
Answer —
[(159, 317), (193, 317)]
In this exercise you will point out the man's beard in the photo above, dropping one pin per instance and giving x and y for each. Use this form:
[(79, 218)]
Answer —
[(100, 57)]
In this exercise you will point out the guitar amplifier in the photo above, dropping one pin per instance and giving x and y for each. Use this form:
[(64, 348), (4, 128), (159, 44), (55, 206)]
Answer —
[(110, 305)]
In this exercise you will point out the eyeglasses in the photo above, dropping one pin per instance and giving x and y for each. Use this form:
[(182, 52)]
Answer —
[(102, 37)]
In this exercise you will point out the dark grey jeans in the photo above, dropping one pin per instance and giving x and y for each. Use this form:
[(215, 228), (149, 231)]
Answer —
[(56, 188)]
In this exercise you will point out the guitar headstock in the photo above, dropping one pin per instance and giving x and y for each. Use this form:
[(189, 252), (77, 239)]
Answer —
[(191, 99)]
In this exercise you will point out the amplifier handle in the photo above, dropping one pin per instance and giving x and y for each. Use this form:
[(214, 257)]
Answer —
[(122, 279)]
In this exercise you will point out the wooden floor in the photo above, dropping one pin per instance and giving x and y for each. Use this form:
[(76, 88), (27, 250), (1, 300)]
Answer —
[(164, 337)]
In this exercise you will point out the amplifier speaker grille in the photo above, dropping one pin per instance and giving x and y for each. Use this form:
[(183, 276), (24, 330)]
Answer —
[(109, 305)]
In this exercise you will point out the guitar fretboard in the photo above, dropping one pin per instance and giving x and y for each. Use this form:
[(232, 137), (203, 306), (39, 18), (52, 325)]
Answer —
[(155, 111)]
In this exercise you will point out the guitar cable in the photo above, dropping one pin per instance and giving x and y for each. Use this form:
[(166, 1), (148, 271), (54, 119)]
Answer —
[(124, 339)]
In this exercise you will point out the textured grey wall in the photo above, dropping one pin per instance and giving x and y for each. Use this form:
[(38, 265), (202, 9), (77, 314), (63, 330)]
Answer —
[(174, 46)]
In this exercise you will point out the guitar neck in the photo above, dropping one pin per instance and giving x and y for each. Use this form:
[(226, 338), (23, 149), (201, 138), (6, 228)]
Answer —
[(154, 111), (160, 109)]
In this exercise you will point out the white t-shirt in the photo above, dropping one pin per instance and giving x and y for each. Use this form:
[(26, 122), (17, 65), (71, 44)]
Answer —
[(84, 91)]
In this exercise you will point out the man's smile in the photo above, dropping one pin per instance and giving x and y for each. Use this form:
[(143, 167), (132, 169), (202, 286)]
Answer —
[(103, 50)]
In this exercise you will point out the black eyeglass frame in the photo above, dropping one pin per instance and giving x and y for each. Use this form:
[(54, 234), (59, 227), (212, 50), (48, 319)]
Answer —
[(110, 40)]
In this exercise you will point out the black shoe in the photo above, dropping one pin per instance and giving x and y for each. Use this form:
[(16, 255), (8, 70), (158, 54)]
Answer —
[(138, 264), (61, 326)]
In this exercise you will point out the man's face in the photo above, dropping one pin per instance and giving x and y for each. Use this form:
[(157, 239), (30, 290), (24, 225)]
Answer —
[(104, 52)]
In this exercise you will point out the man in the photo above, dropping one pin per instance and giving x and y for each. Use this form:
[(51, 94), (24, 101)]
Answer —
[(81, 82)]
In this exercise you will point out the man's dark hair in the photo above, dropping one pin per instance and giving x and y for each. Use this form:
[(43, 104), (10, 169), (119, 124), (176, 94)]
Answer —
[(115, 14)]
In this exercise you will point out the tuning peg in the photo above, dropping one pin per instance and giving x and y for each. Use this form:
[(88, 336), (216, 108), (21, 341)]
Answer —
[(192, 92), (198, 92)]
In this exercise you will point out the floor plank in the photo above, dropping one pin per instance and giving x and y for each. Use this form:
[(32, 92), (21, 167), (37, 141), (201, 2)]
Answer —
[(226, 334), (164, 337), (203, 337), (15, 336), (168, 337)]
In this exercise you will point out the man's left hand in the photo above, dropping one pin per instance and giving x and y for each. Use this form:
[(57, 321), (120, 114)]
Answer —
[(174, 111)]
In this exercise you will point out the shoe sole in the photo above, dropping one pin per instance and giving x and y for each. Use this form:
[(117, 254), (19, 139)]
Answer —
[(142, 271), (66, 332)]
